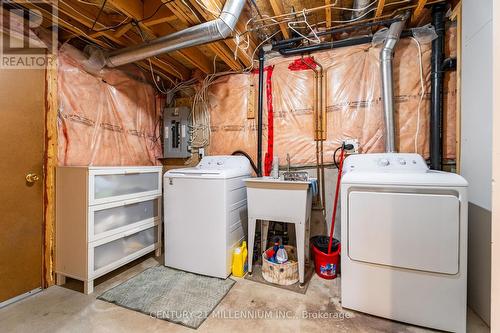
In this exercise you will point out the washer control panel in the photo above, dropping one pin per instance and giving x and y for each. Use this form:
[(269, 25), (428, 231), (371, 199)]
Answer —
[(223, 162), (390, 162)]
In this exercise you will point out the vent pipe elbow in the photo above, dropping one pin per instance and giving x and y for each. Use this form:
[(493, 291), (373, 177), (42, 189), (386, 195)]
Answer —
[(229, 17), (204, 33), (386, 56)]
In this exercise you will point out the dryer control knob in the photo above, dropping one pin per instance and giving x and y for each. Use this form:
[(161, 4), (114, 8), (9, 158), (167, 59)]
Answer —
[(383, 162)]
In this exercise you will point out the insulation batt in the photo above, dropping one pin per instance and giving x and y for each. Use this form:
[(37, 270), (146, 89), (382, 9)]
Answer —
[(352, 86), (107, 120)]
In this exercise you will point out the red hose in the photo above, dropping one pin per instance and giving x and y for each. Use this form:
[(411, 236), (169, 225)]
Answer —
[(268, 159), (339, 176)]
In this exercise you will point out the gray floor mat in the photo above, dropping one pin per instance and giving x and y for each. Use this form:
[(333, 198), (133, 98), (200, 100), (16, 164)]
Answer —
[(169, 294)]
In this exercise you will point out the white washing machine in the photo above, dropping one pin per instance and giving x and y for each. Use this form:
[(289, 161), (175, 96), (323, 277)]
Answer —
[(204, 209), (404, 241)]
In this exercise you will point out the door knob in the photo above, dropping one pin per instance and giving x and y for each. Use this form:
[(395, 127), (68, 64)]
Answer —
[(31, 178)]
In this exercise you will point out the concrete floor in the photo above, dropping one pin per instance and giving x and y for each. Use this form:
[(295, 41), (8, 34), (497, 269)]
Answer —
[(62, 309)]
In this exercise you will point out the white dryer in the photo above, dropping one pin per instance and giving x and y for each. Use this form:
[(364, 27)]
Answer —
[(204, 208), (404, 241)]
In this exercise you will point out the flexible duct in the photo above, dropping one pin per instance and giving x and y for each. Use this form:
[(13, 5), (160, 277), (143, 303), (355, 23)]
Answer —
[(386, 55), (211, 31)]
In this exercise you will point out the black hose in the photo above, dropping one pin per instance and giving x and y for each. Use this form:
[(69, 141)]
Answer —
[(347, 146), (241, 152), (335, 157)]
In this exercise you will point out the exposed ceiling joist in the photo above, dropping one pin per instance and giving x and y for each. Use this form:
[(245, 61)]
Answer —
[(328, 14), (241, 27), (76, 28), (211, 12), (380, 8), (124, 23), (166, 19), (417, 12), (82, 16), (186, 15), (277, 7), (133, 9)]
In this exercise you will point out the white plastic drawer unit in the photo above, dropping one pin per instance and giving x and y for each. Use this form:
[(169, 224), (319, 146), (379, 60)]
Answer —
[(110, 253), (115, 217), (112, 184), (375, 217), (105, 218)]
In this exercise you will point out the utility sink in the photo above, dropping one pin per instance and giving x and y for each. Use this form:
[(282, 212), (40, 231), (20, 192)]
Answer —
[(278, 199)]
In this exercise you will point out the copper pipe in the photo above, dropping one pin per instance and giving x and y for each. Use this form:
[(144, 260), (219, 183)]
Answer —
[(318, 130)]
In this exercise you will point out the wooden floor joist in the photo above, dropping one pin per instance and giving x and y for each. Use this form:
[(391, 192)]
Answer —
[(186, 16), (78, 21), (213, 8), (380, 8), (166, 69), (417, 12), (277, 7), (328, 14), (134, 10), (125, 23)]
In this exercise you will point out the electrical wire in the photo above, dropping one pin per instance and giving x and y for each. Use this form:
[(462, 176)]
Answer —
[(132, 21), (151, 67), (290, 25), (422, 90), (98, 14), (199, 131), (331, 6), (214, 13)]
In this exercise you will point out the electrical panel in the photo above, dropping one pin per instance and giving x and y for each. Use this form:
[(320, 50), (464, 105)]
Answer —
[(176, 132)]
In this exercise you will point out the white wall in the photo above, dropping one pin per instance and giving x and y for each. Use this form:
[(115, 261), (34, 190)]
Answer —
[(495, 242), (476, 145), (477, 59)]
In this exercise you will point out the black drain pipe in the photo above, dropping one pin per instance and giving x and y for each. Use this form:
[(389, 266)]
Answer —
[(331, 45), (260, 110), (287, 43), (436, 116), (325, 46)]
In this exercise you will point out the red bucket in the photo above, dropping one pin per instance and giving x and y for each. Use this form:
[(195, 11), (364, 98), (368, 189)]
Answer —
[(326, 265)]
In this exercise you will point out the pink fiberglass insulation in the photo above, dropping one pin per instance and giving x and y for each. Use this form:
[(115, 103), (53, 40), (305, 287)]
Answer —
[(106, 120), (352, 95)]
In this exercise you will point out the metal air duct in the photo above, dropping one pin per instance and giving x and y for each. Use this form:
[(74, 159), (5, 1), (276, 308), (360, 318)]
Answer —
[(211, 31), (386, 55)]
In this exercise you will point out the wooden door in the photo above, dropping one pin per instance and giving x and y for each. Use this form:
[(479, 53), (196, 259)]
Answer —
[(22, 112)]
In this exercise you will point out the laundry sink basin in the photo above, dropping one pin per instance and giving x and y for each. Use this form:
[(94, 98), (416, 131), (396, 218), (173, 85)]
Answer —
[(278, 199)]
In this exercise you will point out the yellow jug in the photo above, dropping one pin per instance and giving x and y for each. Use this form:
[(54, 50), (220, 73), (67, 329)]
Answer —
[(239, 267)]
